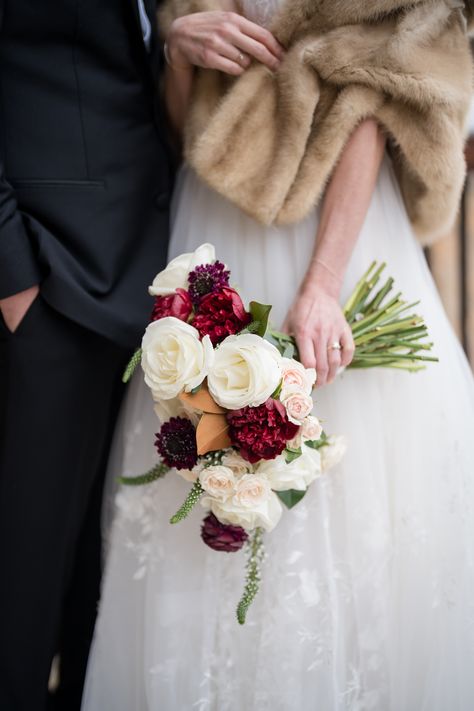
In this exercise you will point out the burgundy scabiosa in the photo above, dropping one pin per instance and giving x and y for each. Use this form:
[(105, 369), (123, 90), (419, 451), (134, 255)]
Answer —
[(261, 432), (207, 279), (221, 314), (176, 443), (222, 537)]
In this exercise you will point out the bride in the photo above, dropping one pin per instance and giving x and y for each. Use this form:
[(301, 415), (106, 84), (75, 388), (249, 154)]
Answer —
[(367, 600)]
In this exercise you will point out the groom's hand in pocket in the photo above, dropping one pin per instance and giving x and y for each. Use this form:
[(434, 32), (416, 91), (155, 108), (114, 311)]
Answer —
[(14, 308), (221, 40)]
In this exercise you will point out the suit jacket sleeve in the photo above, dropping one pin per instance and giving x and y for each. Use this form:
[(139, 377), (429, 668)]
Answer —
[(18, 267)]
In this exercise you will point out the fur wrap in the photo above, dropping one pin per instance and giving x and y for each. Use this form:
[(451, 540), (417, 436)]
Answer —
[(269, 141)]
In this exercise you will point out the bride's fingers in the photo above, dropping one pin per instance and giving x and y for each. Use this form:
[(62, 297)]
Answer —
[(322, 365), (334, 358), (257, 50), (224, 64), (231, 52), (262, 36), (306, 351), (348, 348)]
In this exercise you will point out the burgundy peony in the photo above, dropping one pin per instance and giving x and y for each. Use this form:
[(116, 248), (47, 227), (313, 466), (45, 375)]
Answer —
[(222, 537), (176, 443), (220, 315), (261, 432), (178, 305), (207, 279)]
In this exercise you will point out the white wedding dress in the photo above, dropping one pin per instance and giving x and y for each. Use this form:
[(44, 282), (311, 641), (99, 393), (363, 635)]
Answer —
[(367, 600)]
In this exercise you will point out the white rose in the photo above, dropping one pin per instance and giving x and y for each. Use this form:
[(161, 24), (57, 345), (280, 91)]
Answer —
[(298, 406), (297, 440), (175, 276), (311, 429), (333, 452), (174, 358), (254, 505), (218, 481), (245, 372), (296, 378), (237, 463), (299, 474)]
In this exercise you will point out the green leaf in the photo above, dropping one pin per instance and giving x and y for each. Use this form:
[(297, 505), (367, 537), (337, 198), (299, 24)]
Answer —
[(275, 394), (291, 498), (289, 351), (196, 389), (318, 443), (292, 454), (260, 313)]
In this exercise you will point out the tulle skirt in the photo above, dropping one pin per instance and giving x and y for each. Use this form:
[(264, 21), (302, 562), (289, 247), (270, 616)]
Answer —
[(367, 598)]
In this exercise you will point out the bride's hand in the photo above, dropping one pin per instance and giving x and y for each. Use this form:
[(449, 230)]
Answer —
[(221, 40), (317, 322)]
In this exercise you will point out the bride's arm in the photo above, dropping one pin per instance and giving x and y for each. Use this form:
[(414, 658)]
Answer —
[(316, 319), (222, 40)]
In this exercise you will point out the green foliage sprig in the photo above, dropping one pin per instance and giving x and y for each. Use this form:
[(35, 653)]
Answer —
[(158, 472), (191, 500), (256, 553), (131, 367)]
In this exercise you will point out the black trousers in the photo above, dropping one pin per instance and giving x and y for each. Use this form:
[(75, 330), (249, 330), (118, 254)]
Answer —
[(60, 392)]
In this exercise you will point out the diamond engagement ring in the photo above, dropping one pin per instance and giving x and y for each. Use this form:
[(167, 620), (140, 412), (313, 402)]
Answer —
[(336, 346)]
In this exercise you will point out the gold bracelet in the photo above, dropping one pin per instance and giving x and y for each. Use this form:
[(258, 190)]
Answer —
[(166, 52)]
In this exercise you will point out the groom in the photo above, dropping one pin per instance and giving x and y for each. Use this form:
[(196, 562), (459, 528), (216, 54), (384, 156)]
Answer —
[(85, 182)]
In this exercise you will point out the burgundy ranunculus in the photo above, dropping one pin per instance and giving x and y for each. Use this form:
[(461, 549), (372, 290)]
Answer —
[(176, 443), (178, 305), (261, 432), (221, 314), (222, 537)]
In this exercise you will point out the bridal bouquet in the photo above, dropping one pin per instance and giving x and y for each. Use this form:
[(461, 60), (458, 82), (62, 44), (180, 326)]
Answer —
[(235, 403)]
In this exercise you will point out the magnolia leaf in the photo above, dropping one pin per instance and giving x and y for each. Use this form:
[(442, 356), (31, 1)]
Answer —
[(201, 399), (290, 498), (292, 454), (260, 313), (212, 433)]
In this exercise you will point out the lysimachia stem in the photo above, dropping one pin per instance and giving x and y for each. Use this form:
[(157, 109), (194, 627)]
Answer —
[(191, 500), (130, 369), (256, 553), (157, 472), (385, 333)]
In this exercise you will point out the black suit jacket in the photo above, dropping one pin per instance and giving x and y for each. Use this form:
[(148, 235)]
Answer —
[(85, 175)]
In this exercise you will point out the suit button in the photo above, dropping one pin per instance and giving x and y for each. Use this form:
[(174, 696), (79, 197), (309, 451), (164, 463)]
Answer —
[(162, 200)]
